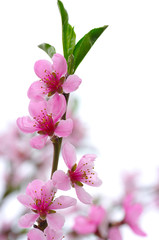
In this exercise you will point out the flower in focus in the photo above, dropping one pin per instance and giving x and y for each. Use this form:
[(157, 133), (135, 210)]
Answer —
[(132, 214), (89, 224), (48, 234), (40, 198), (77, 174), (53, 78), (45, 120)]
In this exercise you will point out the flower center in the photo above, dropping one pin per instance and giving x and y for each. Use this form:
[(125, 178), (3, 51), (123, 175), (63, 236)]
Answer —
[(53, 83), (44, 122), (42, 203), (81, 174), (75, 176)]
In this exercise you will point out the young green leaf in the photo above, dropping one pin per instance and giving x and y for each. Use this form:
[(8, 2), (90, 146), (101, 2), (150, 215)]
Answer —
[(85, 43), (50, 50), (68, 34)]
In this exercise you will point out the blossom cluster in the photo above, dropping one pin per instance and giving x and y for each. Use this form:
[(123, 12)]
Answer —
[(47, 118), (50, 123)]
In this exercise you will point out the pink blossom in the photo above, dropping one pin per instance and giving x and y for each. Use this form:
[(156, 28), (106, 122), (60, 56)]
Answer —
[(132, 214), (19, 148), (89, 224), (79, 130), (40, 198), (48, 234), (77, 174), (53, 78), (114, 234), (46, 120), (130, 181)]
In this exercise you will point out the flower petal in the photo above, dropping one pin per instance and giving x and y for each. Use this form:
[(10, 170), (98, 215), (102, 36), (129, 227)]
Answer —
[(57, 106), (69, 154), (51, 234), (87, 161), (36, 89), (64, 128), (82, 195), (28, 220), (136, 229), (26, 200), (34, 189), (42, 68), (63, 202), (39, 141), (25, 124), (114, 234), (59, 64), (93, 180), (61, 180), (99, 213), (83, 226), (36, 106), (55, 221), (36, 234), (47, 190), (71, 83)]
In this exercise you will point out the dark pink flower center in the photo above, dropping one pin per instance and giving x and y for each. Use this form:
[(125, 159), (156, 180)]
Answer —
[(81, 174), (75, 176), (53, 83), (44, 122), (42, 205)]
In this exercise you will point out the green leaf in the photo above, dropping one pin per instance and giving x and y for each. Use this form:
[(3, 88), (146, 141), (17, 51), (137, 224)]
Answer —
[(85, 44), (68, 33), (50, 50)]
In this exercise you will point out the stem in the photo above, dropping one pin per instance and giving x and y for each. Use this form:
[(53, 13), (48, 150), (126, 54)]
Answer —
[(42, 224), (57, 144)]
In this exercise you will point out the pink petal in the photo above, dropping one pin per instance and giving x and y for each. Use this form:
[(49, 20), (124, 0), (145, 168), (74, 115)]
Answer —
[(83, 226), (55, 221), (114, 234), (95, 181), (34, 189), (63, 202), (59, 65), (39, 141), (71, 83), (61, 180), (133, 212), (41, 66), (87, 161), (57, 106), (47, 190), (51, 234), (36, 105), (99, 213), (64, 128), (28, 220), (69, 154), (36, 234), (25, 124), (26, 200), (137, 230), (36, 89), (82, 195)]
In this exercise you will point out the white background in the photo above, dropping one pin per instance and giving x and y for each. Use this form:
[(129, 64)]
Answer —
[(120, 90)]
